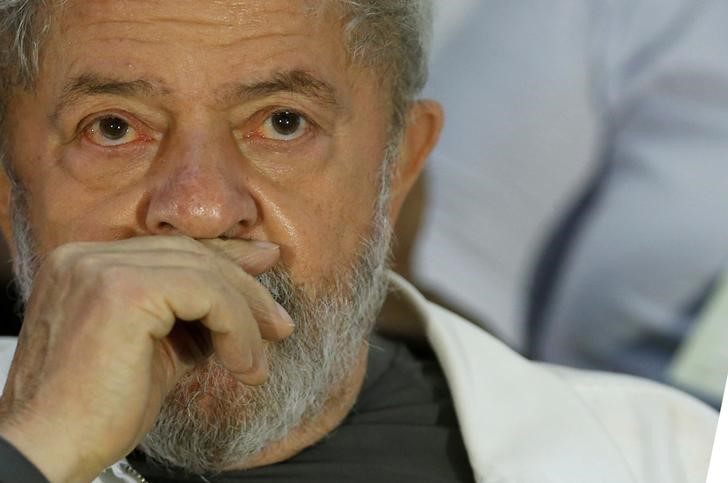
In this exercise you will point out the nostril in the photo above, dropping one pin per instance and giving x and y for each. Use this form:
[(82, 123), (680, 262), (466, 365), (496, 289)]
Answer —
[(165, 227), (208, 206)]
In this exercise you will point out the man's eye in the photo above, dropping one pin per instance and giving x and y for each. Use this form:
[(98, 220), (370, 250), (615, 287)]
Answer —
[(111, 131), (284, 126)]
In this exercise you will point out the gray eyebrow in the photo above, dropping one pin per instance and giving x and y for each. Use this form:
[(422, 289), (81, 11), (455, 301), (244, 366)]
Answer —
[(94, 84), (294, 81)]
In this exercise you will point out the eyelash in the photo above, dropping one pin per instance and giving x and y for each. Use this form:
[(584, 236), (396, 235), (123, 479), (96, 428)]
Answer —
[(265, 118), (85, 127)]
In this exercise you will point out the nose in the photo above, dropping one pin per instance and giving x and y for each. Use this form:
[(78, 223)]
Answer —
[(198, 196)]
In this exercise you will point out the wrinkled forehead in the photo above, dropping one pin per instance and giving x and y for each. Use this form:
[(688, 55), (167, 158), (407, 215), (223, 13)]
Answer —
[(214, 22), (197, 42)]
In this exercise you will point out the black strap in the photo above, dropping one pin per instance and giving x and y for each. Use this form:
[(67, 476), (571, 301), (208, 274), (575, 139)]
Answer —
[(16, 468)]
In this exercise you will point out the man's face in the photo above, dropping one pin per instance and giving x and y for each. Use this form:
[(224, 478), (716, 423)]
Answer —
[(220, 120), (206, 119)]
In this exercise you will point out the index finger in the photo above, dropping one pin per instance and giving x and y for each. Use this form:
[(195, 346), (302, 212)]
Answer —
[(254, 256)]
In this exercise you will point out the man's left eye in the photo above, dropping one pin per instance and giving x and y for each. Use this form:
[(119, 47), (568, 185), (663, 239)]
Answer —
[(284, 126), (111, 131)]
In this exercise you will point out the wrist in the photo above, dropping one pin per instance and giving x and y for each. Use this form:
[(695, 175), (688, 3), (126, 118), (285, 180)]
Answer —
[(48, 446)]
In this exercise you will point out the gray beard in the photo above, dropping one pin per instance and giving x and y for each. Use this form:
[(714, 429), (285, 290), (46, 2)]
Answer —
[(210, 422)]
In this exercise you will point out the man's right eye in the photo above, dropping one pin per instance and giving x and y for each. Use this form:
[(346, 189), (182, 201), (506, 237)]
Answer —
[(111, 131)]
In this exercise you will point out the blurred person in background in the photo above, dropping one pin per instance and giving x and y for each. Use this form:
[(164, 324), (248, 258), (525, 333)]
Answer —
[(624, 282), (622, 106)]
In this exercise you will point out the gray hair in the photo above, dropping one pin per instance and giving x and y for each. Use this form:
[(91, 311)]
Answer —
[(393, 36), (23, 24)]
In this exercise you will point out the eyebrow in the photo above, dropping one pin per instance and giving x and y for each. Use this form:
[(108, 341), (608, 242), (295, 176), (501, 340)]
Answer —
[(295, 81), (96, 85)]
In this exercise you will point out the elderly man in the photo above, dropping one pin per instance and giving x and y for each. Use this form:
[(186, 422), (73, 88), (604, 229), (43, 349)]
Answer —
[(199, 197)]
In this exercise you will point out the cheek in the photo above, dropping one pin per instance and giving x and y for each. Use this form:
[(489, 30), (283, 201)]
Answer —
[(61, 209), (321, 227), (329, 214), (321, 216), (61, 216)]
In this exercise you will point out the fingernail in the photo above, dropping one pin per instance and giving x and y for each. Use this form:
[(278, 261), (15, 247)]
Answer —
[(284, 315), (253, 361), (265, 245), (258, 369), (253, 366)]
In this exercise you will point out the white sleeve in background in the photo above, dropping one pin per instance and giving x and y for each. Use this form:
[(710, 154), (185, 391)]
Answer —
[(657, 236), (520, 137)]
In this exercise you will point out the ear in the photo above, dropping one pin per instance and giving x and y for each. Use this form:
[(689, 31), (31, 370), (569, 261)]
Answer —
[(422, 130)]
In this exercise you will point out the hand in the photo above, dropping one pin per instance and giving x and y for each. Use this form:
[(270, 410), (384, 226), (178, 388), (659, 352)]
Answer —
[(105, 338)]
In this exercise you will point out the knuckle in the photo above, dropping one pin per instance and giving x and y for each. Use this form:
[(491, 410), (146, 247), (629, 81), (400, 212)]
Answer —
[(59, 256), (57, 262), (121, 287), (87, 264), (113, 279)]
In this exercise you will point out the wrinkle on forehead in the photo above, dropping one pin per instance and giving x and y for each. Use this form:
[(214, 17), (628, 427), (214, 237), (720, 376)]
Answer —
[(205, 16), (223, 25)]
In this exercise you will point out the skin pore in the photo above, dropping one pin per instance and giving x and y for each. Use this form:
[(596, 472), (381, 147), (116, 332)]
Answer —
[(215, 120)]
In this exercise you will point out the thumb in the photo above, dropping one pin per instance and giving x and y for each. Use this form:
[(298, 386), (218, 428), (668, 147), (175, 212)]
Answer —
[(254, 256)]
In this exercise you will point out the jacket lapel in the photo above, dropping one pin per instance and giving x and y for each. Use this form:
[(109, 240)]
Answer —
[(521, 423)]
